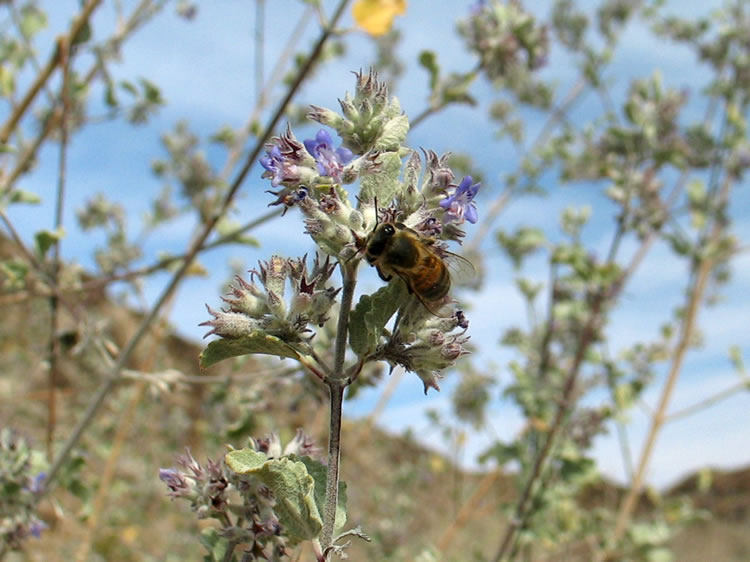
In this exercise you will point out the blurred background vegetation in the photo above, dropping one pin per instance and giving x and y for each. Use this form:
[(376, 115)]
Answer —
[(613, 225)]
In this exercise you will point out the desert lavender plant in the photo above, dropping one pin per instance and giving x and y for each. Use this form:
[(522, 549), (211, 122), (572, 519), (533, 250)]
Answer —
[(20, 483), (284, 305)]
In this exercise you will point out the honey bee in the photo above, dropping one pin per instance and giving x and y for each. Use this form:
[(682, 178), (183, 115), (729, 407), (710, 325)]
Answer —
[(393, 248)]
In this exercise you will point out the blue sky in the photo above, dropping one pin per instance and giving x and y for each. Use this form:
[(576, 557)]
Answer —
[(205, 70)]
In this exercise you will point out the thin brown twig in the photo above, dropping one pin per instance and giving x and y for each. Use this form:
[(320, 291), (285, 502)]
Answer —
[(276, 75), (160, 265), (688, 411), (137, 18), (468, 510), (124, 426), (18, 241), (694, 299), (53, 350), (42, 77), (522, 506)]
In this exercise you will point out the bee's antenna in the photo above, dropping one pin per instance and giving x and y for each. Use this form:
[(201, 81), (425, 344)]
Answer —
[(376, 213)]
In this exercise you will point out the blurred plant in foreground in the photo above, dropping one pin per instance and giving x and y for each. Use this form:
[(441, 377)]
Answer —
[(20, 483)]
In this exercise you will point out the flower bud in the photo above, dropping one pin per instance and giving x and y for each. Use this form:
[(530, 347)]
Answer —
[(230, 324)]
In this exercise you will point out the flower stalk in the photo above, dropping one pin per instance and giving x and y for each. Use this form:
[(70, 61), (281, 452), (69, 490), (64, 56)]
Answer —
[(260, 316)]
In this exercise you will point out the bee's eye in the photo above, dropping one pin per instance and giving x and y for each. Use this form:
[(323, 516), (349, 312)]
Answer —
[(389, 230)]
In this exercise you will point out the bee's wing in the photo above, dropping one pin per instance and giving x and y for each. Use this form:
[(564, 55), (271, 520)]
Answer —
[(462, 270)]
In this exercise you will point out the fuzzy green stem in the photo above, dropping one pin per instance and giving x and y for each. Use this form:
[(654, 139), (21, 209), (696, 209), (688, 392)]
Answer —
[(349, 280)]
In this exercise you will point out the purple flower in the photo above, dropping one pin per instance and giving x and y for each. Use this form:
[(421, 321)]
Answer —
[(36, 527), (37, 483), (175, 481), (278, 168), (330, 162), (460, 205)]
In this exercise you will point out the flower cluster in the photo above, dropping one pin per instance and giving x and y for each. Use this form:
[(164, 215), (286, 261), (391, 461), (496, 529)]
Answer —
[(20, 486), (205, 487), (212, 490), (371, 121), (426, 344), (396, 185), (505, 37), (252, 309)]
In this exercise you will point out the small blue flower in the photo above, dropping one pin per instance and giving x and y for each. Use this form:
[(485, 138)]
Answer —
[(36, 527), (37, 483), (175, 481), (330, 162), (460, 205), (280, 168)]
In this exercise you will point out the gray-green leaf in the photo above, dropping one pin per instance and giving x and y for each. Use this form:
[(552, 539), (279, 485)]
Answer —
[(292, 486), (384, 185), (372, 313), (319, 472), (257, 342)]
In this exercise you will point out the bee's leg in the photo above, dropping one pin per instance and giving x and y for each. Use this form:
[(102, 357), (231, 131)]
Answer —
[(383, 276)]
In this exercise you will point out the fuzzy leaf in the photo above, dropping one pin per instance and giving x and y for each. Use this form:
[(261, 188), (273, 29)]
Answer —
[(428, 60), (22, 196), (45, 239), (319, 472), (33, 20), (371, 314), (292, 486), (395, 130), (384, 185), (214, 544), (7, 82), (226, 227), (257, 342)]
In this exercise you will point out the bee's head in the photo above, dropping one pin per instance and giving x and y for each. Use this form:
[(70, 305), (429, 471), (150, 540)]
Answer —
[(379, 238)]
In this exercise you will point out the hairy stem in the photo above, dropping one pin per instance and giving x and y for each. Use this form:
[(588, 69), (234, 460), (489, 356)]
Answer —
[(349, 279), (336, 389), (336, 385), (53, 351)]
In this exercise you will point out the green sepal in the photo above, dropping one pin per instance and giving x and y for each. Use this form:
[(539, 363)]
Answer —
[(369, 317), (257, 342), (292, 486)]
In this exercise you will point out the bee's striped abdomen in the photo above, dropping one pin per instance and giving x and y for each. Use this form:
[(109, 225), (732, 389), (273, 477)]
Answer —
[(432, 281)]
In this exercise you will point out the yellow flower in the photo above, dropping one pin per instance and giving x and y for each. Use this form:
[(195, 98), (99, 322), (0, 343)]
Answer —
[(376, 16)]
